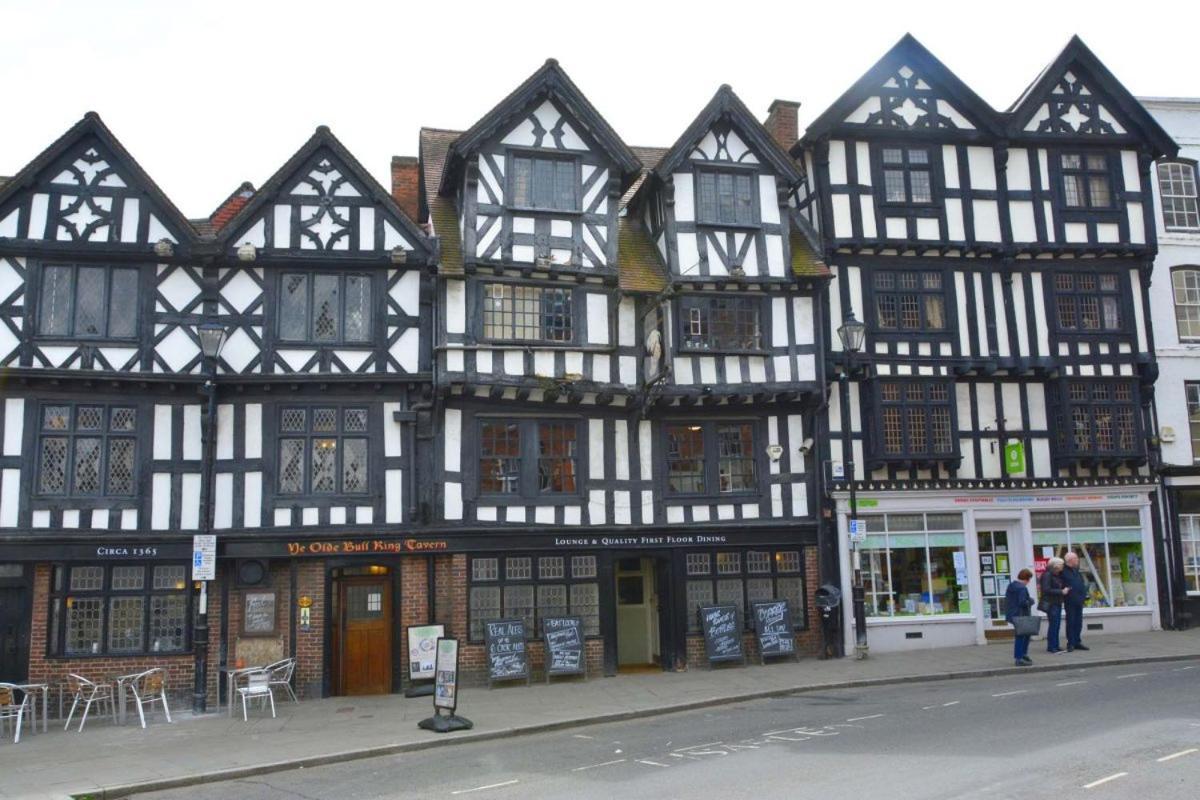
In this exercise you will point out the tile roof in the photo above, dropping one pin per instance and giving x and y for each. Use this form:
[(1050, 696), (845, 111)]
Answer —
[(649, 156), (805, 261), (435, 145), (639, 267)]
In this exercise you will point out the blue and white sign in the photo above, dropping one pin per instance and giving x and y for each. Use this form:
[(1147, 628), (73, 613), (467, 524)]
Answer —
[(204, 557), (858, 530)]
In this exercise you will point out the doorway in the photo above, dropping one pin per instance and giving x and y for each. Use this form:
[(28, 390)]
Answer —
[(638, 639), (995, 573), (14, 633), (362, 632)]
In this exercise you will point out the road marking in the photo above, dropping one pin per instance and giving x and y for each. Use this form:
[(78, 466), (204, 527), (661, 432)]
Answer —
[(1112, 777), (1069, 683), (1181, 669), (926, 708), (602, 764), (1177, 755), (1133, 675), (860, 719), (583, 736), (1009, 694), (951, 703), (489, 786), (652, 763)]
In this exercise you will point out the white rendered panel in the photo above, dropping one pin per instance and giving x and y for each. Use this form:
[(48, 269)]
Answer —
[(252, 507), (1038, 314), (987, 220), (392, 431), (597, 318), (964, 332), (1000, 311), (842, 227), (254, 432), (983, 168), (456, 306), (621, 449), (223, 501), (394, 488), (160, 501), (1018, 287), (224, 431), (453, 440), (10, 497), (14, 425), (867, 211), (955, 228), (189, 502), (1017, 173), (685, 203), (768, 200), (162, 432), (980, 314), (837, 162), (596, 449), (283, 226), (950, 165), (862, 152), (191, 433), (1139, 317)]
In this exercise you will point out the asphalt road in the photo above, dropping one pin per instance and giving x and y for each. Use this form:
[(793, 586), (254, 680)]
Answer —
[(1112, 732)]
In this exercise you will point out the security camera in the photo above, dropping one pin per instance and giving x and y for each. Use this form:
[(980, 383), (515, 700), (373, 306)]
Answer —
[(806, 446)]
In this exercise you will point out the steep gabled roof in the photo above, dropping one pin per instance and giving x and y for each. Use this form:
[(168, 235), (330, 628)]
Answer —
[(92, 125), (911, 53), (322, 137), (435, 144), (726, 104), (549, 80), (1077, 56)]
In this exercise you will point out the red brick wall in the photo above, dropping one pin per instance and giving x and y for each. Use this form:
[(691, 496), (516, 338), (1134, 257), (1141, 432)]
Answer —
[(310, 644), (782, 122), (414, 603), (180, 669), (405, 184)]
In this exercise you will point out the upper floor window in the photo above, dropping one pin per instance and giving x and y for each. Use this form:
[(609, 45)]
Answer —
[(323, 450), (916, 421), (544, 184), (726, 198), (1186, 284), (528, 458), (1086, 180), (1088, 302), (324, 309), (527, 313), (909, 301), (125, 609), (721, 323), (691, 467), (88, 302), (907, 175), (1177, 188), (1191, 391), (1098, 418), (87, 450)]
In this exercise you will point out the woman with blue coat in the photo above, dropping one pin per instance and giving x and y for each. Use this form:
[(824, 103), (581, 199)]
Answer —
[(1018, 604)]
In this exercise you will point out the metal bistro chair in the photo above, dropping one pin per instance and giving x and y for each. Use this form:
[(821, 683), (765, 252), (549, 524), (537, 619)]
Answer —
[(10, 708), (150, 687), (258, 684), (281, 675), (89, 692)]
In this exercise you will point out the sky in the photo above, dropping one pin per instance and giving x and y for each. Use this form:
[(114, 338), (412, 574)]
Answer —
[(209, 94)]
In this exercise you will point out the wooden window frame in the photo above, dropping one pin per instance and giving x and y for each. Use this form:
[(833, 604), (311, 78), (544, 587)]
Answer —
[(702, 218), (1191, 397), (1188, 165), (309, 435), (1183, 271), (711, 461), (573, 311), (534, 156), (906, 166), (1077, 295), (743, 573), (528, 481), (1066, 446), (535, 579), (875, 293), (705, 304), (310, 340), (72, 433), (1058, 174), (879, 454), (73, 336)]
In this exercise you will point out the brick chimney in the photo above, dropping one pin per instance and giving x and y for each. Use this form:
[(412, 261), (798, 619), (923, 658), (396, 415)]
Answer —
[(782, 122), (405, 184)]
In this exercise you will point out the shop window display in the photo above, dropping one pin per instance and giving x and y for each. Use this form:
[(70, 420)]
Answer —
[(1109, 546), (915, 565)]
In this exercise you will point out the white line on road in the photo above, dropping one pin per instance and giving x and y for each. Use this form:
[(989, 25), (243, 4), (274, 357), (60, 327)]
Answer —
[(1177, 755), (1181, 669), (489, 786), (951, 703), (1069, 683), (1133, 675), (1008, 694), (1112, 777), (652, 763), (926, 708), (582, 736), (602, 764), (860, 719)]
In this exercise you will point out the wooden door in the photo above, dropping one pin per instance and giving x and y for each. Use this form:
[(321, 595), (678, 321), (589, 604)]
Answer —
[(365, 636), (14, 634)]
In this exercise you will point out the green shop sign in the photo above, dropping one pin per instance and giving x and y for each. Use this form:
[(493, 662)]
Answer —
[(1014, 458)]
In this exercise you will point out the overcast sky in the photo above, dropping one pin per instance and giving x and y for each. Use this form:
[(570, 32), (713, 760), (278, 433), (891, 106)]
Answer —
[(208, 94)]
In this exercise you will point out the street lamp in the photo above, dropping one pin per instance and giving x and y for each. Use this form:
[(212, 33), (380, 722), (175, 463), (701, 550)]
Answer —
[(852, 332), (212, 339)]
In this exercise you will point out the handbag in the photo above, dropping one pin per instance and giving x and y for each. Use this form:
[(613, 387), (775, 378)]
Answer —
[(1027, 626), (1043, 606)]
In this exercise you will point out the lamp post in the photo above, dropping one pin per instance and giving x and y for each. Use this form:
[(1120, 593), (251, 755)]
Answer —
[(212, 339), (851, 333)]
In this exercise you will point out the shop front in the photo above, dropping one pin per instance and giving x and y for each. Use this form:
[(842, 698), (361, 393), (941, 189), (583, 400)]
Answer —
[(935, 565)]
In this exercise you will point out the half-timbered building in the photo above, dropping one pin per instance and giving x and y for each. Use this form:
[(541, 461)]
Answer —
[(998, 412), (622, 435)]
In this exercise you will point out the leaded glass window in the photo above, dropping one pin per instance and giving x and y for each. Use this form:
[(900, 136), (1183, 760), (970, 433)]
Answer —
[(545, 184), (909, 300), (1098, 419), (325, 309), (721, 323), (323, 450), (1086, 180), (510, 587), (1088, 302), (726, 198), (527, 313), (124, 609), (88, 302), (916, 420), (907, 175), (87, 451), (1185, 282)]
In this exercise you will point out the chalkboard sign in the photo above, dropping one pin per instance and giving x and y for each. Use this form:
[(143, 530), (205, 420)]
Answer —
[(507, 657), (564, 646), (722, 633), (773, 626), (258, 614)]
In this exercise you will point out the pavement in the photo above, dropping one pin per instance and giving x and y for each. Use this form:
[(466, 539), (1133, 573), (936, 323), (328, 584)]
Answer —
[(117, 761), (1040, 735)]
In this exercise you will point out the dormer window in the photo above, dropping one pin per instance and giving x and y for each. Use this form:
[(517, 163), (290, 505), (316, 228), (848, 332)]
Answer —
[(1086, 180), (544, 184), (907, 175), (726, 198)]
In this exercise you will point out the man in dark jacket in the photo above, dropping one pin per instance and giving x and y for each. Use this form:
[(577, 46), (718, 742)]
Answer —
[(1073, 602), (1051, 589)]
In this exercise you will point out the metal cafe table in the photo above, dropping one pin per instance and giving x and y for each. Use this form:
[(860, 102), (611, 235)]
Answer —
[(34, 689), (231, 677)]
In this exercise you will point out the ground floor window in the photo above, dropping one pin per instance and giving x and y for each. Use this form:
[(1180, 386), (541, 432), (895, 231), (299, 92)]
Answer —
[(742, 579), (533, 588), (126, 609), (915, 564), (1189, 535), (1109, 546)]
